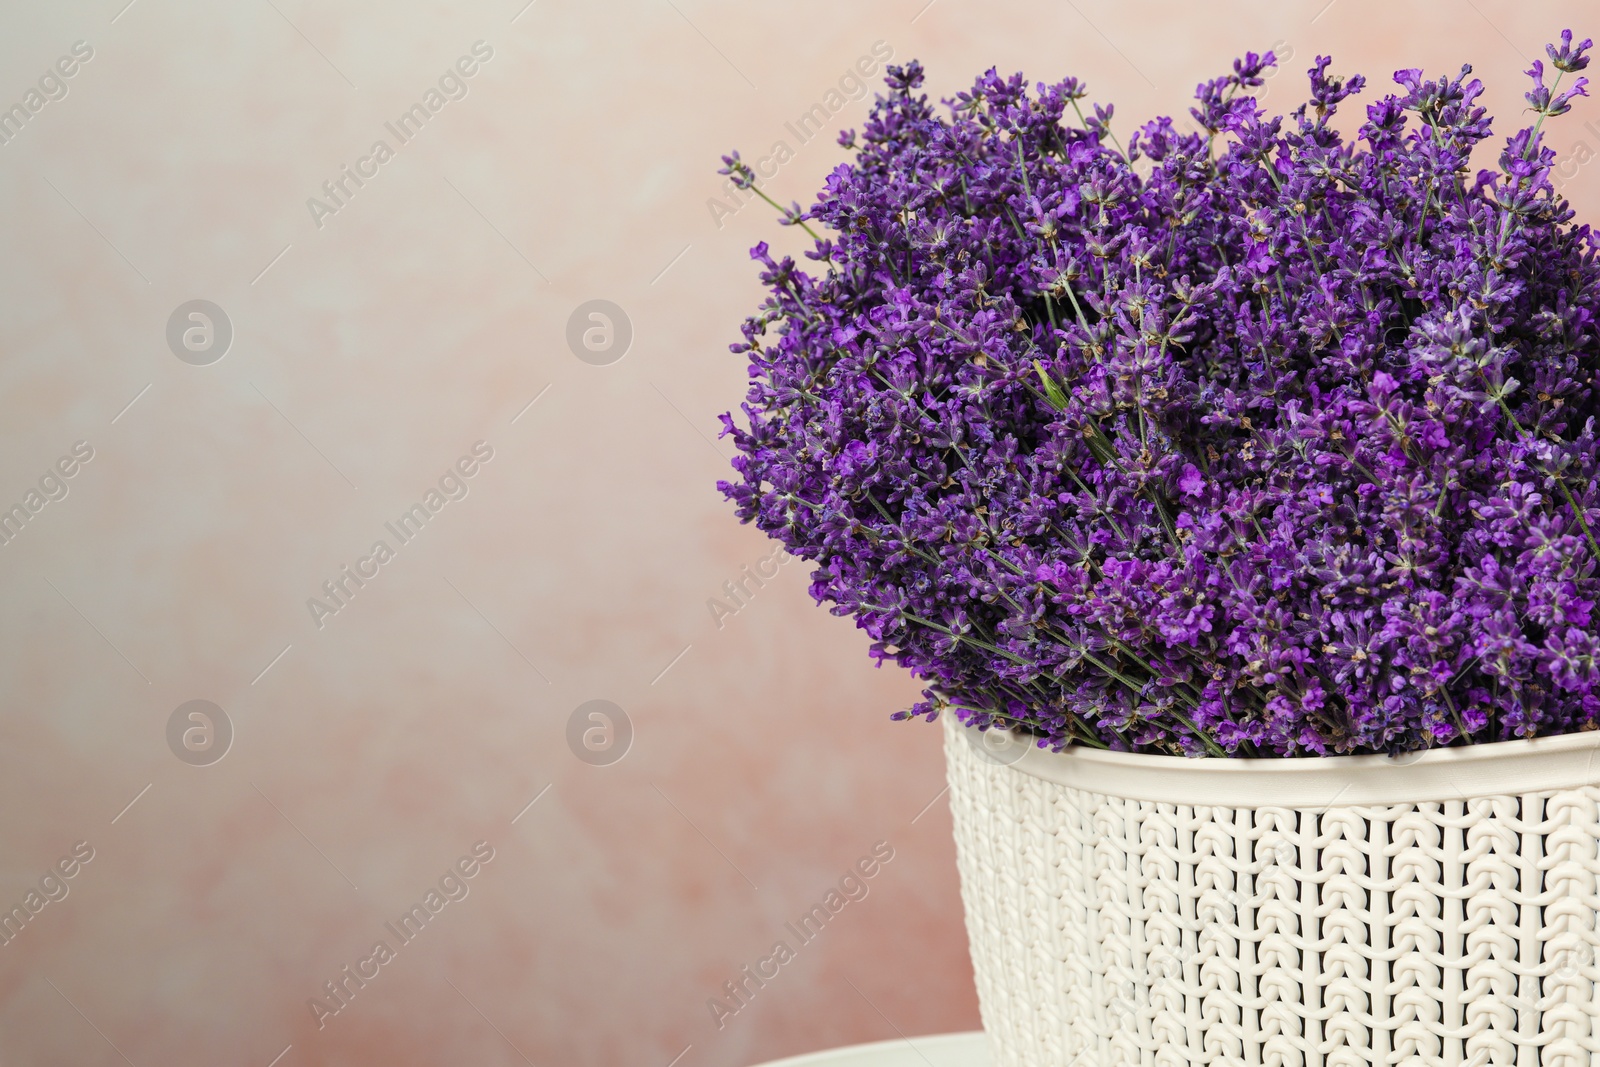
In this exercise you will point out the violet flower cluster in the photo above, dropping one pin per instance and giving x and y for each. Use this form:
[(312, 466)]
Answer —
[(1245, 440)]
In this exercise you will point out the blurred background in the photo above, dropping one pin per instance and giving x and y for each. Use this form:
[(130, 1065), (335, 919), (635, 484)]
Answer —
[(572, 746)]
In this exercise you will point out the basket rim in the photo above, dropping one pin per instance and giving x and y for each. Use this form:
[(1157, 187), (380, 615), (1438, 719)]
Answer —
[(1495, 768)]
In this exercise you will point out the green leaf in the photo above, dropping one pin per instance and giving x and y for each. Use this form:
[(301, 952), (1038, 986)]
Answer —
[(1052, 390)]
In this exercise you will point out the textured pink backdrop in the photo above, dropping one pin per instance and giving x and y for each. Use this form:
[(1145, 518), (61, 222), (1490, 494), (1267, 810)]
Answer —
[(370, 352)]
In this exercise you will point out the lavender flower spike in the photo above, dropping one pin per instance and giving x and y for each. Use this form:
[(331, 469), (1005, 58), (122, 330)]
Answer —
[(1232, 437)]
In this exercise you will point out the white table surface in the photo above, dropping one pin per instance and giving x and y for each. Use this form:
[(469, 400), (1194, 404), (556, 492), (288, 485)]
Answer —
[(938, 1050)]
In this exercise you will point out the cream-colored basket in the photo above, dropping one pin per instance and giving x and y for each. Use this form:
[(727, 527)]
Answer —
[(1433, 909)]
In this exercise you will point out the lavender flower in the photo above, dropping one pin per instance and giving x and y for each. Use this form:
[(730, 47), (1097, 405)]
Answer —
[(1245, 441)]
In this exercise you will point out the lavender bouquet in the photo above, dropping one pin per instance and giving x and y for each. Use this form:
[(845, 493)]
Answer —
[(1247, 440)]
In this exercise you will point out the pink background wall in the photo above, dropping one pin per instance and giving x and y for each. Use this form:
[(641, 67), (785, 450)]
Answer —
[(423, 717)]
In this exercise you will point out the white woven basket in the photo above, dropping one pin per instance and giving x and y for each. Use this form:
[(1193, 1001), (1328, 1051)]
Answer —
[(1437, 909)]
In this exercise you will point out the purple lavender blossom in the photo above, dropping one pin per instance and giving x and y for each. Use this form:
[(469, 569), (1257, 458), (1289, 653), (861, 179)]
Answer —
[(1245, 441)]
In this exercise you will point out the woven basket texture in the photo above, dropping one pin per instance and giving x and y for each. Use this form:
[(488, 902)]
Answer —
[(1107, 929)]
